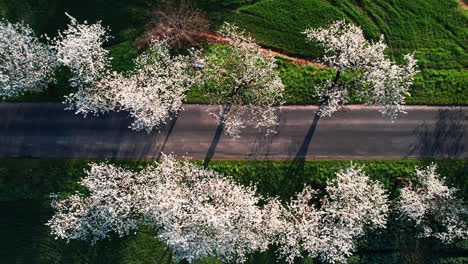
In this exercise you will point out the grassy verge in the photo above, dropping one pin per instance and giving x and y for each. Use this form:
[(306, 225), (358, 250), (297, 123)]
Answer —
[(434, 87), (25, 185), (431, 87)]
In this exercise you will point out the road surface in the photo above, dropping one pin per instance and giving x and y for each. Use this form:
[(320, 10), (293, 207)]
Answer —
[(45, 130)]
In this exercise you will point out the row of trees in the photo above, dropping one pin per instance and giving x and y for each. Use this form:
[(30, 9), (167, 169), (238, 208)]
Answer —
[(240, 75), (199, 212)]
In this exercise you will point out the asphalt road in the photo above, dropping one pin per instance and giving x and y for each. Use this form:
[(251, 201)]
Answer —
[(45, 130)]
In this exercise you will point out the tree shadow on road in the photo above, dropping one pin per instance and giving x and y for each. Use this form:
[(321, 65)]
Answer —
[(297, 167), (264, 140), (219, 131), (444, 139), (261, 147), (173, 120), (304, 148)]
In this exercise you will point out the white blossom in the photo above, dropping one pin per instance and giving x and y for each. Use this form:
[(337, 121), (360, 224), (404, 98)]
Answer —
[(150, 93), (207, 214), (201, 213), (198, 212), (156, 88), (328, 228), (231, 118), (298, 226), (26, 64), (334, 95), (109, 208), (244, 76), (80, 48), (96, 98), (353, 202), (380, 81), (434, 207)]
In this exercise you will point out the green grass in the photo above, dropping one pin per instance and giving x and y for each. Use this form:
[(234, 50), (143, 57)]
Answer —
[(25, 185), (423, 25), (23, 179), (213, 5), (299, 81), (122, 55), (432, 87), (435, 30)]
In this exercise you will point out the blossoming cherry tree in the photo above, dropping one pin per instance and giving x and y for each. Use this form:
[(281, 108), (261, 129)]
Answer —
[(26, 64), (151, 93), (434, 207), (243, 77), (360, 64)]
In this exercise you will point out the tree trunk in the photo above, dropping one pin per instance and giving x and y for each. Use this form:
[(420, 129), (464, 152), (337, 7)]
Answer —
[(335, 83), (337, 77)]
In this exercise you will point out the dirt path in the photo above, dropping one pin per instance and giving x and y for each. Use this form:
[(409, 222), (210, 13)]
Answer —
[(463, 3), (212, 37)]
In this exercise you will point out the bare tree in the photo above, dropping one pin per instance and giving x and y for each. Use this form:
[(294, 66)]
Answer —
[(180, 23)]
